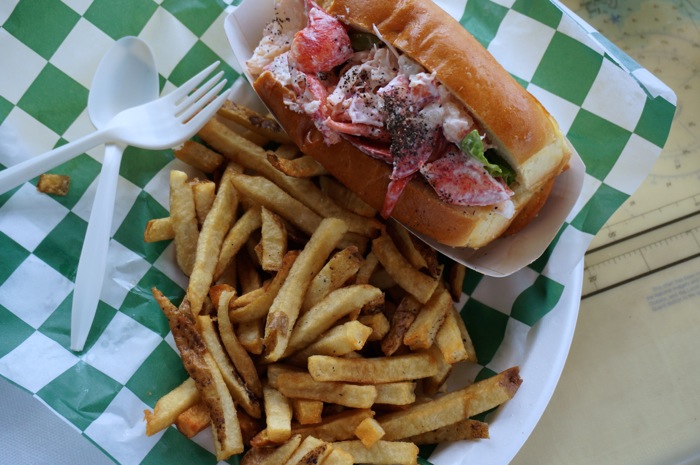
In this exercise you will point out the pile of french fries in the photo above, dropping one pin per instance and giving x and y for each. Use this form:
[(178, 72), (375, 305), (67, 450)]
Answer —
[(311, 331)]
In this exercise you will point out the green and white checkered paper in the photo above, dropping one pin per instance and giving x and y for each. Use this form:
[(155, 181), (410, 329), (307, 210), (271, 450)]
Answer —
[(616, 114)]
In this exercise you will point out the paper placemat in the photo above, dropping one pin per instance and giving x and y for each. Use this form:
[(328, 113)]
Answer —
[(615, 113)]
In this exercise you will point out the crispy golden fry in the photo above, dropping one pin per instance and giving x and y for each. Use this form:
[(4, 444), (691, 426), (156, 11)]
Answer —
[(203, 369), (278, 415), (247, 298), (338, 427), (193, 420), (250, 335), (418, 284), (184, 221), (301, 167), (53, 184), (401, 320), (345, 197), (273, 241), (288, 151), (264, 125), (339, 269), (239, 391), (203, 193), (239, 356), (453, 407), (311, 450), (372, 370), (434, 384), (421, 334), (215, 227), (322, 316), (455, 280), (276, 369), (464, 429), (287, 304), (160, 229), (303, 190), (400, 393), (199, 156), (403, 240), (339, 340), (170, 406), (267, 194), (381, 453), (249, 278), (339, 457), (453, 339), (367, 269), (250, 310), (369, 431), (272, 455), (379, 324), (236, 237), (307, 412), (303, 386)]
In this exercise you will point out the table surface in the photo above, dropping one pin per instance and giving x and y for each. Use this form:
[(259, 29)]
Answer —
[(627, 393)]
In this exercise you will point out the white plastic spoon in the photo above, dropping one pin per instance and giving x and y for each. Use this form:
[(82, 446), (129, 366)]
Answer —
[(125, 78)]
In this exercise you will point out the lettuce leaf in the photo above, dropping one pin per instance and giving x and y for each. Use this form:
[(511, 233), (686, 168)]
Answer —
[(496, 167)]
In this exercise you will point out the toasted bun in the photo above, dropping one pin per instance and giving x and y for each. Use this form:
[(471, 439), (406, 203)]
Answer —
[(528, 137)]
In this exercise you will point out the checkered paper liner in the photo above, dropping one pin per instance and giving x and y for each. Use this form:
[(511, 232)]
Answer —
[(616, 114)]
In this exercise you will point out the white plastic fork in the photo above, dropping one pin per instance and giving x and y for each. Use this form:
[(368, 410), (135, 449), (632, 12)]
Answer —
[(171, 119), (156, 125)]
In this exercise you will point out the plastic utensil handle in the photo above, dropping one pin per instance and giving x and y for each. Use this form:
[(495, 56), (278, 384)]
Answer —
[(93, 257), (15, 175)]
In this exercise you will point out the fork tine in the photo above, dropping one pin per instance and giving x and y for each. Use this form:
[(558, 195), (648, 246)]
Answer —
[(197, 94), (182, 91), (188, 113), (205, 114)]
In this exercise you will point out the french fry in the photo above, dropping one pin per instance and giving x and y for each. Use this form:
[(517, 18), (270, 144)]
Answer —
[(193, 420), (239, 356), (379, 324), (264, 125), (256, 308), (338, 427), (311, 450), (269, 195), (338, 341), (239, 391), (247, 298), (199, 156), (381, 453), (401, 320), (345, 197), (369, 265), (273, 241), (272, 455), (369, 431), (399, 393), (424, 328), (404, 242), (464, 429), (183, 221), (215, 227), (303, 386), (372, 370), (236, 237), (455, 280), (287, 304), (249, 278), (453, 339), (288, 151), (203, 193), (307, 412), (323, 315), (453, 407), (278, 415), (200, 365), (339, 457), (159, 229), (339, 269), (433, 384), (418, 284), (170, 406), (301, 167), (250, 335)]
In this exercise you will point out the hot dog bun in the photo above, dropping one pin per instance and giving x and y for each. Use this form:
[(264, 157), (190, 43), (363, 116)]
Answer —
[(528, 138)]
